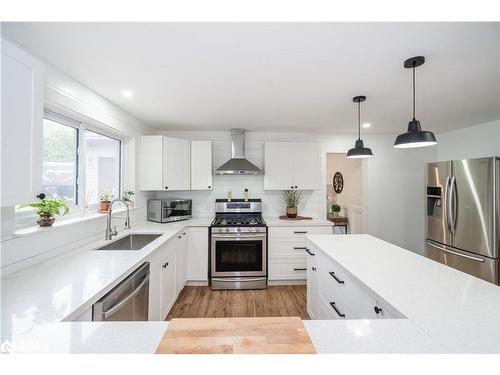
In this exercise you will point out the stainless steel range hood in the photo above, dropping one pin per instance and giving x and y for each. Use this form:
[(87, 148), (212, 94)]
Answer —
[(238, 165)]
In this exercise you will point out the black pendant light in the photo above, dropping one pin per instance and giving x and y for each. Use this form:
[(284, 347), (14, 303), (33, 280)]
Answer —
[(415, 136), (359, 151)]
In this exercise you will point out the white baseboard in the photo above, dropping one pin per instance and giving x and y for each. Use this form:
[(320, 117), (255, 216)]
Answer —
[(286, 282)]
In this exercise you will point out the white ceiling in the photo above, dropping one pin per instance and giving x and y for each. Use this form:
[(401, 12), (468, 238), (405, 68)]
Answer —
[(280, 76)]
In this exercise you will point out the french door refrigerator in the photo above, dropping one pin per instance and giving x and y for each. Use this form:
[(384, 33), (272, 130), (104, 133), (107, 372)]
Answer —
[(462, 226)]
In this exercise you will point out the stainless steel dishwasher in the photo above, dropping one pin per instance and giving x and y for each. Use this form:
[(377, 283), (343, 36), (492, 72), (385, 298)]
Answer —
[(129, 300)]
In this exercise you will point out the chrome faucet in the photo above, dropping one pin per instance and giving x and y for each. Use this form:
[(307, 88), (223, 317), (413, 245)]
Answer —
[(112, 232)]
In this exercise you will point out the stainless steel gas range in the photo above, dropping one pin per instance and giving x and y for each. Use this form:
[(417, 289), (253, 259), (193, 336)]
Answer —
[(238, 245)]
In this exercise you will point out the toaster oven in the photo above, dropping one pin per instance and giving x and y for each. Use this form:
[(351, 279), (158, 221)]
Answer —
[(168, 210)]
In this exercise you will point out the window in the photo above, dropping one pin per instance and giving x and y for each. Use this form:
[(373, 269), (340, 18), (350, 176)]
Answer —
[(60, 161), (102, 166), (79, 164)]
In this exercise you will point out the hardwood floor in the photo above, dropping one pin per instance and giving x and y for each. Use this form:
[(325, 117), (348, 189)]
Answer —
[(202, 302)]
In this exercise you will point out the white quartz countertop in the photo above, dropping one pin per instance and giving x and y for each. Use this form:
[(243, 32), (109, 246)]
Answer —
[(273, 221), (460, 312), (63, 287), (90, 337)]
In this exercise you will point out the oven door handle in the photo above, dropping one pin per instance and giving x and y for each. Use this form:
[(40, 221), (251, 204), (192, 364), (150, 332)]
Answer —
[(234, 236)]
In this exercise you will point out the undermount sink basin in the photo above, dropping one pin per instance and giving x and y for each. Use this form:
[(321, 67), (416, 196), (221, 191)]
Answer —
[(130, 242)]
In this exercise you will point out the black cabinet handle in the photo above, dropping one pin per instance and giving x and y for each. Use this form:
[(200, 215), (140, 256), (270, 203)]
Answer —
[(184, 233), (332, 304), (295, 187), (300, 269), (41, 196), (179, 236), (314, 269), (166, 187), (291, 187), (300, 231), (209, 187), (309, 252), (377, 309), (332, 274), (300, 248), (165, 265)]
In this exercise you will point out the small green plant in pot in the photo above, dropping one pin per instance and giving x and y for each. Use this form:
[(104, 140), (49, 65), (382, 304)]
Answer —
[(127, 195), (47, 208), (336, 209), (105, 201), (292, 199)]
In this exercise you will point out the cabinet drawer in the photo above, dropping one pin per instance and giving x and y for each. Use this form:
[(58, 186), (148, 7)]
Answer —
[(287, 249), (158, 257), (287, 269), (297, 232)]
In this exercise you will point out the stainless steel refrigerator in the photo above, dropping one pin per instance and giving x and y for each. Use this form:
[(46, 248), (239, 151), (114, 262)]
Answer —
[(462, 228)]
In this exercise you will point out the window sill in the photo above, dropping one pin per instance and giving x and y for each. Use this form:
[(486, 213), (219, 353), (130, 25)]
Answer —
[(61, 224)]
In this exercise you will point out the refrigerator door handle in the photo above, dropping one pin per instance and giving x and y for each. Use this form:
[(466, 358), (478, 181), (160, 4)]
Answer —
[(454, 252), (453, 205), (446, 207)]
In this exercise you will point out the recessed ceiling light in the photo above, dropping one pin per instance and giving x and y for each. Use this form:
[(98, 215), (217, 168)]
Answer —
[(127, 93), (366, 125)]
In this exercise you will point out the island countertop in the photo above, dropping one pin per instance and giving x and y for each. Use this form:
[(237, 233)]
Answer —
[(458, 311)]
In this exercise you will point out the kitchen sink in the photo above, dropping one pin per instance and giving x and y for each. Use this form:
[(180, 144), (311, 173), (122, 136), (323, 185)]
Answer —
[(130, 242)]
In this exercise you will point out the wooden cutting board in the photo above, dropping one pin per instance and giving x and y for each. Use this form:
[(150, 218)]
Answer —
[(284, 217), (269, 335)]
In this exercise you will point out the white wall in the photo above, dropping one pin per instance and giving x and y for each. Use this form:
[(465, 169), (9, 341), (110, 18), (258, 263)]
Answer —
[(474, 142), (393, 185)]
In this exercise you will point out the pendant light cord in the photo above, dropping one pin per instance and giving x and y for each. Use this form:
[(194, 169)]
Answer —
[(359, 120), (413, 91)]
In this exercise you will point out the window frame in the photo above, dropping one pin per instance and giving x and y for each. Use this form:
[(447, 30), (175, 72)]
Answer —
[(24, 217)]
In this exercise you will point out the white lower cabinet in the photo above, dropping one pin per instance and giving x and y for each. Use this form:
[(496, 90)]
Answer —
[(168, 285), (181, 251), (287, 251), (333, 293), (197, 260)]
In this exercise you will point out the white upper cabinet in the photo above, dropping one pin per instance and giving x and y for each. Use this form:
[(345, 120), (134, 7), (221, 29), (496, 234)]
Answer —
[(164, 163), (177, 165), (151, 162), (291, 165), (201, 165), (22, 82)]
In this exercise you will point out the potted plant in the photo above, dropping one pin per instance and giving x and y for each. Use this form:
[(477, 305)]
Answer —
[(47, 208), (292, 199), (127, 196), (336, 209), (105, 201)]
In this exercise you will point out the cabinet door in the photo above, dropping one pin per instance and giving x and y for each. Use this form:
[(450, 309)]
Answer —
[(197, 262), (306, 172), (180, 264), (201, 165), (176, 164), (167, 285), (313, 301), (278, 165), (22, 83), (155, 293), (151, 162), (184, 257)]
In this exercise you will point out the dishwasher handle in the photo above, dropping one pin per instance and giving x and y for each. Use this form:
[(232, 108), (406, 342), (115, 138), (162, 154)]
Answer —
[(118, 306)]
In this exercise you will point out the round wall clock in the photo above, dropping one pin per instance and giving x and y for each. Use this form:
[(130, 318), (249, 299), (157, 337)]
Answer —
[(338, 182)]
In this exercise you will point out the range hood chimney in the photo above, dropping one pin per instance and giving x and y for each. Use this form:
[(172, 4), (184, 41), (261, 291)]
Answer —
[(238, 165)]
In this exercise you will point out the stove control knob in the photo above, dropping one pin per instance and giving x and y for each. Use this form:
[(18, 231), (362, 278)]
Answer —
[(220, 230), (238, 229), (227, 229)]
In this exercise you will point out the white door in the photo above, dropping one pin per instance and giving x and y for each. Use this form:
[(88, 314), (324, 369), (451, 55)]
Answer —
[(278, 165), (155, 290), (151, 162), (167, 285), (22, 81), (197, 261), (176, 164), (306, 172), (201, 165)]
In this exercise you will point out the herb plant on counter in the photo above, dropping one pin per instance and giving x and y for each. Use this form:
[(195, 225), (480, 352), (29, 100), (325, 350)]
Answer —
[(292, 199), (47, 209)]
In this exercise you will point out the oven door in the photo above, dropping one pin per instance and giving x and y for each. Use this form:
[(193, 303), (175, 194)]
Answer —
[(239, 255)]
